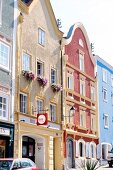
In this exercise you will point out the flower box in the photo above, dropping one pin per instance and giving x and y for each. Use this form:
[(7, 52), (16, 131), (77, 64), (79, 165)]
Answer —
[(56, 87), (28, 75), (42, 81)]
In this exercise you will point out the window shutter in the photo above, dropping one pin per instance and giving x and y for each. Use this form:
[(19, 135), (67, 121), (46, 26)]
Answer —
[(84, 149), (89, 150), (77, 148)]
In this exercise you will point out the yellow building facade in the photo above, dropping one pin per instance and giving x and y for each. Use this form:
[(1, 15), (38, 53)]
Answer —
[(38, 85)]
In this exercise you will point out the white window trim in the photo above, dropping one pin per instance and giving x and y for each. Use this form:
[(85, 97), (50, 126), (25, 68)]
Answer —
[(55, 113), (94, 149), (82, 82), (0, 12), (40, 111), (7, 106), (42, 70), (55, 75), (81, 43), (26, 102), (83, 113), (105, 90), (104, 75), (93, 97), (9, 50), (112, 80), (70, 80), (106, 115), (83, 151), (41, 42), (24, 53), (81, 57)]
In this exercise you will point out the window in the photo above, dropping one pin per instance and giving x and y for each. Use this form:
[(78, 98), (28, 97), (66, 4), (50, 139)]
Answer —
[(39, 105), (41, 37), (82, 87), (112, 98), (25, 62), (92, 151), (93, 122), (70, 81), (0, 12), (52, 116), (53, 76), (81, 43), (112, 80), (4, 55), (3, 107), (81, 62), (104, 74), (106, 121), (23, 103), (105, 94), (81, 148), (40, 68), (82, 118), (93, 93)]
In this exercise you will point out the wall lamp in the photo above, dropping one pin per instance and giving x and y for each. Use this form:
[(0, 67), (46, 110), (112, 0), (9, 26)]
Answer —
[(71, 109)]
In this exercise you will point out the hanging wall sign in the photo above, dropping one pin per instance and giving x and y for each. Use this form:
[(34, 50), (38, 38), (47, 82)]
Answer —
[(42, 119)]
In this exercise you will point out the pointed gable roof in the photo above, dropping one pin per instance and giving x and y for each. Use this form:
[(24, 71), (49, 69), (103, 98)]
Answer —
[(28, 5), (70, 34)]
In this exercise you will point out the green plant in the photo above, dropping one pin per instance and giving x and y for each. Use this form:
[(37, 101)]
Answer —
[(88, 165)]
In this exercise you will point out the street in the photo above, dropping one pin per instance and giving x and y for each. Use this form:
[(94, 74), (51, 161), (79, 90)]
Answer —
[(105, 168)]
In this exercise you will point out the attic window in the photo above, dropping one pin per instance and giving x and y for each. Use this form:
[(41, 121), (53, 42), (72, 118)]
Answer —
[(81, 43), (27, 2)]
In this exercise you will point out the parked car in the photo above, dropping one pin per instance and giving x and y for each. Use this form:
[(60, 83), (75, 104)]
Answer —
[(110, 158), (15, 164)]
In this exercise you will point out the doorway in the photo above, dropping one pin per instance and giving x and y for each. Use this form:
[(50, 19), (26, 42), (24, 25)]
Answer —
[(70, 156), (28, 148)]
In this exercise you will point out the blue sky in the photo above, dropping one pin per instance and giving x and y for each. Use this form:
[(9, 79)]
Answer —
[(97, 18)]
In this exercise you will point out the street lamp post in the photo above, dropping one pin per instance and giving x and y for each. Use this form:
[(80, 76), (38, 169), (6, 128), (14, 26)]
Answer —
[(71, 109)]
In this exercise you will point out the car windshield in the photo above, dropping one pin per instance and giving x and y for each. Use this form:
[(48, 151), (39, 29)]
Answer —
[(5, 164)]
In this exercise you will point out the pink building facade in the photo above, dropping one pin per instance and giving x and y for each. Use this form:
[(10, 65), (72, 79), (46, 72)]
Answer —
[(80, 104)]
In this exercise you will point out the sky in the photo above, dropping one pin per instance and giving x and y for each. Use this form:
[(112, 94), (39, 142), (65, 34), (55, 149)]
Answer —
[(97, 18)]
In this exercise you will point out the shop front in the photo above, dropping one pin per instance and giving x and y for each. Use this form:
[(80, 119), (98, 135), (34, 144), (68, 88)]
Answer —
[(6, 140), (42, 144)]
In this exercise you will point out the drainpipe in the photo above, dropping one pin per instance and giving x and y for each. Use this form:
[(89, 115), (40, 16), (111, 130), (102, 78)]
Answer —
[(14, 58), (62, 95)]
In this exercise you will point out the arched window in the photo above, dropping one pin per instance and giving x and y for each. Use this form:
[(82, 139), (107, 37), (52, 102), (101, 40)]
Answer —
[(93, 150), (81, 43), (81, 149)]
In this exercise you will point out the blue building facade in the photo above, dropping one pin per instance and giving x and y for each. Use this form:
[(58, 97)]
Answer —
[(105, 107)]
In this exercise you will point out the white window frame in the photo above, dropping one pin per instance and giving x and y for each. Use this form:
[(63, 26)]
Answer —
[(93, 122), (82, 118), (24, 108), (81, 61), (70, 81), (105, 94), (93, 93), (41, 36), (112, 80), (0, 12), (92, 147), (7, 107), (104, 75), (83, 149), (26, 61), (53, 76), (81, 43), (40, 105), (112, 98), (82, 87), (40, 71), (52, 116), (6, 67), (106, 118)]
